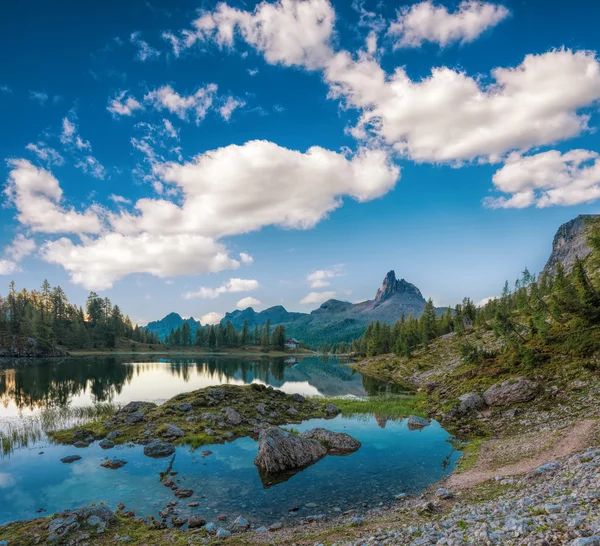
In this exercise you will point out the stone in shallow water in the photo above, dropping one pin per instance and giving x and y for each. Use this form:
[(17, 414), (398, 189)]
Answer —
[(195, 521), (158, 449), (113, 464), (106, 444), (183, 493), (223, 533), (415, 422), (330, 409), (211, 527), (241, 523), (336, 443), (70, 459)]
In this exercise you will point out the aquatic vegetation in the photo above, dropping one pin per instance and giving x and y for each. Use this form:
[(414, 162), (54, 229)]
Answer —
[(389, 407), (27, 430)]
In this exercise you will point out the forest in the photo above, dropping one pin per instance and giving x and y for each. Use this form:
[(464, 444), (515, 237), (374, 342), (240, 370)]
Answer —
[(227, 337), (46, 316)]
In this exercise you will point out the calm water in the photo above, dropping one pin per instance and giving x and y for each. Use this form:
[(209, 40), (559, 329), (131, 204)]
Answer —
[(392, 458)]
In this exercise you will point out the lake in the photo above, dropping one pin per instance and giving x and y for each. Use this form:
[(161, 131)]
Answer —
[(33, 481)]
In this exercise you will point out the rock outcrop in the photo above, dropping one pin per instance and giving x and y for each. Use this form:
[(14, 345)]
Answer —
[(511, 391), (570, 242), (157, 450), (336, 443), (281, 451)]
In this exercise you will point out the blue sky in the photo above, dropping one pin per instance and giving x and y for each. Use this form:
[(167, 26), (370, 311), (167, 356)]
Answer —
[(186, 158)]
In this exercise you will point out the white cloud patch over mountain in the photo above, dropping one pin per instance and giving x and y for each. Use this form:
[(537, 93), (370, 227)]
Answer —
[(244, 303), (317, 297), (428, 22), (320, 277), (231, 286)]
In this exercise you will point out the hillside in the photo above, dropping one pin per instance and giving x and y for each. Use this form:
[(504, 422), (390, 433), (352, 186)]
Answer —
[(171, 322)]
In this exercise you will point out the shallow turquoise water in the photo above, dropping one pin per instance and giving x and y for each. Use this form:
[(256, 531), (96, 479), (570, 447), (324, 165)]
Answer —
[(392, 459)]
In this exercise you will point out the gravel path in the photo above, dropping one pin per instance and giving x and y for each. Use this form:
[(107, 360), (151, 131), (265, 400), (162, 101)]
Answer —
[(572, 440)]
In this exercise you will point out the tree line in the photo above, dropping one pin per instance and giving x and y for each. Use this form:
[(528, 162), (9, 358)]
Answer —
[(47, 316), (226, 336)]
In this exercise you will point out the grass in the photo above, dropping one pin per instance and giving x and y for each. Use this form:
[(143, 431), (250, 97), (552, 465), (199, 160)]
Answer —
[(28, 430), (470, 453), (392, 407)]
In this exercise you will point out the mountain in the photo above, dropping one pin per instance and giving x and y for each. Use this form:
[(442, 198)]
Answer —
[(570, 242), (334, 321), (173, 320)]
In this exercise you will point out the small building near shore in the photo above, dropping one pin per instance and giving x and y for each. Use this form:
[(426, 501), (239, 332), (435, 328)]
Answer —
[(292, 343)]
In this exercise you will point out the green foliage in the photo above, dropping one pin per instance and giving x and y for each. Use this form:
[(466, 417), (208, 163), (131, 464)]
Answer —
[(47, 317)]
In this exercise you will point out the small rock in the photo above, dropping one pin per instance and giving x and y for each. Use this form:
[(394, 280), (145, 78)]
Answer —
[(193, 504), (158, 449), (232, 416), (275, 526), (241, 523), (183, 493), (262, 530), (113, 464), (444, 493), (223, 533), (106, 444), (185, 407), (70, 459), (330, 409), (298, 398), (195, 522)]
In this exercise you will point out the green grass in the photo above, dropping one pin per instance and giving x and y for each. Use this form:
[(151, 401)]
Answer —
[(392, 407), (28, 430)]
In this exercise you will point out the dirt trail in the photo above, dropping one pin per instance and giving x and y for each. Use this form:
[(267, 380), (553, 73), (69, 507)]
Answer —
[(571, 440)]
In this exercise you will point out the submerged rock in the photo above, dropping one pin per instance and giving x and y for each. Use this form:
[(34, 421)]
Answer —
[(106, 444), (415, 422), (336, 443), (113, 464), (159, 449), (279, 451), (511, 391), (196, 521), (70, 459), (183, 493)]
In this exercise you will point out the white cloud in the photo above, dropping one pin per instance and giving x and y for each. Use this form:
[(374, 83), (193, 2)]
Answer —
[(291, 32), (68, 131), (98, 263), (547, 179), (145, 52), (5, 89), (229, 106), (166, 98), (119, 199), (89, 164), (232, 285), (452, 117), (246, 258), (39, 97), (20, 248), (170, 129), (175, 42), (427, 22), (8, 267), (253, 72), (244, 303), (228, 191), (38, 199), (45, 153), (122, 105), (318, 278), (317, 297), (211, 318)]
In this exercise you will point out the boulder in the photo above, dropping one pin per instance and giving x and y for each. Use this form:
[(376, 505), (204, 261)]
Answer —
[(279, 451), (183, 493), (511, 391), (331, 410), (336, 443), (133, 418), (240, 523), (298, 398), (471, 402), (70, 459), (106, 444), (415, 423), (158, 449), (113, 464), (232, 416), (172, 432), (184, 407), (196, 521)]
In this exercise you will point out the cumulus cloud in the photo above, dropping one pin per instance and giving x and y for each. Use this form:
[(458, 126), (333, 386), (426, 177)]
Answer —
[(145, 52), (122, 105), (547, 179), (229, 106), (211, 318), (246, 258), (290, 32), (89, 164), (45, 153), (232, 285), (318, 278), (98, 263), (452, 117), (244, 303), (8, 267), (166, 98), (427, 22), (38, 199), (317, 297), (228, 191), (119, 199), (20, 248)]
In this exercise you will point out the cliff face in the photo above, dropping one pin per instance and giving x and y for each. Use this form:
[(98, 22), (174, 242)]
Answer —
[(570, 242)]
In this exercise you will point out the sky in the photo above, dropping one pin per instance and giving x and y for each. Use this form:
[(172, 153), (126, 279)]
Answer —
[(199, 157)]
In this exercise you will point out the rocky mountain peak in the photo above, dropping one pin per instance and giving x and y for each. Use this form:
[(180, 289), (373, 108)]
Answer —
[(391, 286), (569, 243)]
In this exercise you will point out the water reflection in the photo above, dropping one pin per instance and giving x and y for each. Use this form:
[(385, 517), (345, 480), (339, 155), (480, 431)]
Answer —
[(90, 380)]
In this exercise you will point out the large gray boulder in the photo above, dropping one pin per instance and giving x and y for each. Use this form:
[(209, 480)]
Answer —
[(279, 451), (511, 391), (158, 449), (336, 443), (471, 402)]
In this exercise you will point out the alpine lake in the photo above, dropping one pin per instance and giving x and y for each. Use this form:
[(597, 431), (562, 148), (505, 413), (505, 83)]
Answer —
[(56, 393)]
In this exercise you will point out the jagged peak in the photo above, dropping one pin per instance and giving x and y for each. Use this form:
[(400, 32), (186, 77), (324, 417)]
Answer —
[(391, 285)]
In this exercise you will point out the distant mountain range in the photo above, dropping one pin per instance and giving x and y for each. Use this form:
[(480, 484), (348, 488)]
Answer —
[(334, 321)]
